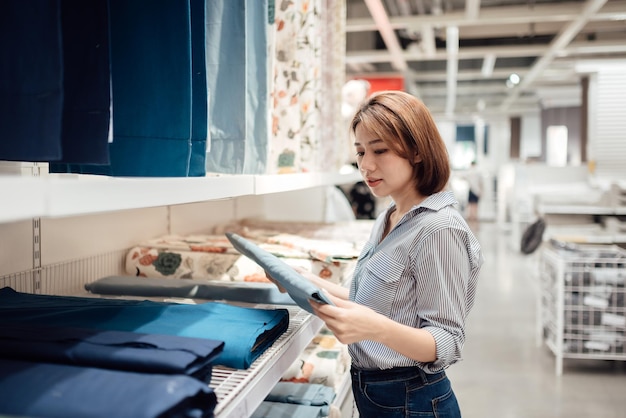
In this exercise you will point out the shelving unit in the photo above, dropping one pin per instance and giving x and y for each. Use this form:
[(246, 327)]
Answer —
[(59, 195), (582, 312), (66, 204)]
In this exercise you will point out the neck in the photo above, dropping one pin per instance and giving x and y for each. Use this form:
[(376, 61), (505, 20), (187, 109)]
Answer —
[(404, 204)]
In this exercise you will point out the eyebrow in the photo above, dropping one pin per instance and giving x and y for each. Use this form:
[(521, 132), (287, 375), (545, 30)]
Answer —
[(373, 141)]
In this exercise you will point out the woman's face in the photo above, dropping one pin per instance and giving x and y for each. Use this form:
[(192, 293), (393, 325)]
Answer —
[(384, 171)]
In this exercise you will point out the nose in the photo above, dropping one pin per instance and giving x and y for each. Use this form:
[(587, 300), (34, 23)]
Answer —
[(366, 164)]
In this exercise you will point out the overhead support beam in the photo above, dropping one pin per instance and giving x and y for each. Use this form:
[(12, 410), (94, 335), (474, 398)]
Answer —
[(504, 15), (452, 50), (489, 63), (429, 45), (576, 48), (558, 44), (472, 9), (379, 14)]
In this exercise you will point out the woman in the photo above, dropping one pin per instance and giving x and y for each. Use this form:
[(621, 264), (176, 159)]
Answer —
[(403, 317)]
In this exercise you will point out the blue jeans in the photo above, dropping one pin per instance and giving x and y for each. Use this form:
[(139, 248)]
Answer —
[(403, 392)]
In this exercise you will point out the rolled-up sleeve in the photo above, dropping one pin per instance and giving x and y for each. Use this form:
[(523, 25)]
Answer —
[(444, 271)]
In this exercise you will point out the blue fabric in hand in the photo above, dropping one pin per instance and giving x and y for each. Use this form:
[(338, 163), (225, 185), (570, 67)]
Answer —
[(299, 288)]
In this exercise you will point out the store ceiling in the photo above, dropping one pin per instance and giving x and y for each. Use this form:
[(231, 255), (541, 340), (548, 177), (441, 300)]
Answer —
[(544, 42)]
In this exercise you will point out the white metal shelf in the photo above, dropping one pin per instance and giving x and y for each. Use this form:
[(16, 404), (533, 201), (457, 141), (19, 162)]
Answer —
[(240, 392), (60, 195), (273, 183), (22, 198)]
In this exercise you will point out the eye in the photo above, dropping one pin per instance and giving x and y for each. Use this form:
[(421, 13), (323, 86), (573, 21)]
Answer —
[(360, 153), (380, 151)]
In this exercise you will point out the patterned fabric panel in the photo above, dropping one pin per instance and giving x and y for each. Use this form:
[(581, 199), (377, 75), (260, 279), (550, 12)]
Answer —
[(296, 91)]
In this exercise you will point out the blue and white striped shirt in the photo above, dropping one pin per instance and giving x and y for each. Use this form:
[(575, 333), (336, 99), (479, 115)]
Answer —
[(423, 274)]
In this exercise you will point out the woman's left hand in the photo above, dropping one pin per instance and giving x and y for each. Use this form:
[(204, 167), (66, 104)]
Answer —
[(349, 321)]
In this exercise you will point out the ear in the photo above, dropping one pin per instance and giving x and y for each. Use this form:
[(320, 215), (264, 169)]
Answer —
[(417, 159)]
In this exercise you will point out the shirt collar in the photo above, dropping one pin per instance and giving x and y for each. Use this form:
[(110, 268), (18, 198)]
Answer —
[(434, 202)]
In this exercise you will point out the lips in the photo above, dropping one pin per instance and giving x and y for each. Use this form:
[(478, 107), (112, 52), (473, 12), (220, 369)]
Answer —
[(373, 182)]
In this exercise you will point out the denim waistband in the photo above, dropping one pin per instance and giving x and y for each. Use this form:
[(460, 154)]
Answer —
[(396, 373)]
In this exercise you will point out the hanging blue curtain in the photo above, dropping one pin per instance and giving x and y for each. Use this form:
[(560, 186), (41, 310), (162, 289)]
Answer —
[(151, 78), (199, 94), (238, 84), (159, 90), (86, 81), (31, 80)]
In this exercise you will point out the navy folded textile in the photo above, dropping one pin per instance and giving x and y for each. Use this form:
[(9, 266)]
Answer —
[(249, 292), (299, 288), (246, 332), (115, 350), (54, 390)]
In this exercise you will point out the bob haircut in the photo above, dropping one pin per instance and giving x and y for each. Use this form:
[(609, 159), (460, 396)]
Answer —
[(406, 126)]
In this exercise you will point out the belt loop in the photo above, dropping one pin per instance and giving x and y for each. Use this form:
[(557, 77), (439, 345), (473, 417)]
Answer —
[(423, 376), (356, 374)]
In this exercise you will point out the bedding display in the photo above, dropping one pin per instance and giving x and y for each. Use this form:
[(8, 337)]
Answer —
[(61, 391), (213, 257), (246, 332)]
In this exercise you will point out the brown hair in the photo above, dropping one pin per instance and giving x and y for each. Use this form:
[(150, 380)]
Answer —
[(408, 128)]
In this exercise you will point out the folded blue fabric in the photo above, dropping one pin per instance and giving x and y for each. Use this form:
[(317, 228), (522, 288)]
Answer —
[(313, 394), (54, 390), (246, 332), (249, 292), (286, 410), (115, 350), (299, 288)]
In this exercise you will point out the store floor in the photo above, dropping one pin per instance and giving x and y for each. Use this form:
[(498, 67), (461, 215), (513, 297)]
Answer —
[(505, 374)]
